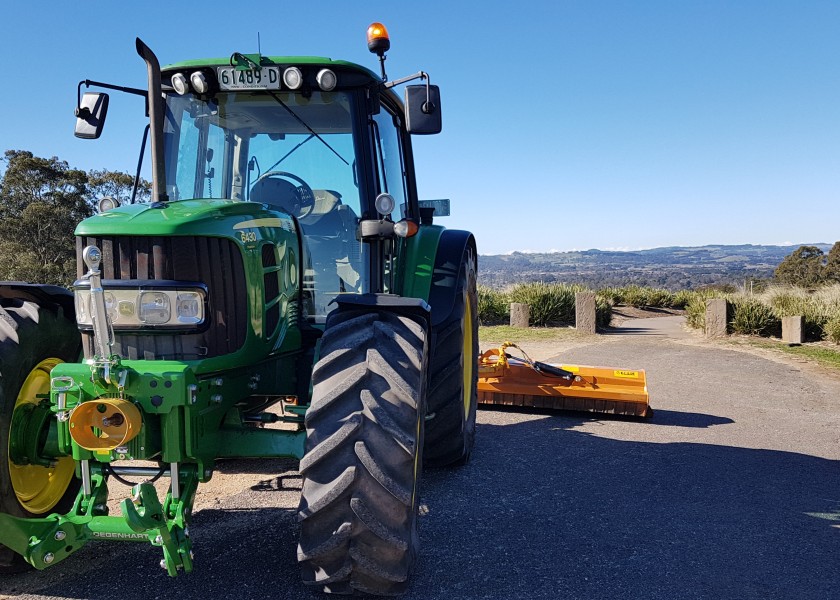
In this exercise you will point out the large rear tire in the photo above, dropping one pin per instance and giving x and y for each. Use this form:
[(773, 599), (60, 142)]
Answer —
[(453, 395), (363, 460), (33, 339)]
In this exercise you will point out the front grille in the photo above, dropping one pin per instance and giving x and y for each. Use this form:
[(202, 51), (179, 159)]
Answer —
[(215, 262)]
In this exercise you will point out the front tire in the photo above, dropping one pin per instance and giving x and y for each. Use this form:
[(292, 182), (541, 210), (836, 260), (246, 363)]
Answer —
[(453, 394), (33, 339), (361, 470)]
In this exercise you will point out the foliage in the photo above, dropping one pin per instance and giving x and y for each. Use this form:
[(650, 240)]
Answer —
[(117, 185), (831, 271), (682, 298), (613, 295), (832, 329), (815, 308), (639, 296), (41, 202), (550, 304), (633, 295), (808, 266), (695, 306), (603, 311), (695, 312), (493, 306), (751, 316)]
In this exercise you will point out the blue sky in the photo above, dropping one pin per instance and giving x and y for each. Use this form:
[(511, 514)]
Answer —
[(567, 125)]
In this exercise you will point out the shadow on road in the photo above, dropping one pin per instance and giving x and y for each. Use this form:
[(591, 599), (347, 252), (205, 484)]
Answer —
[(670, 418), (543, 511), (545, 508)]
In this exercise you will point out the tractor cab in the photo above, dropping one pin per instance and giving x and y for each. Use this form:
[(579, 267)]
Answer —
[(325, 142), (300, 137)]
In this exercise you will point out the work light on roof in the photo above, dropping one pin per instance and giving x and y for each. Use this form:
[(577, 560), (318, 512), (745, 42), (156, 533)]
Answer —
[(293, 78), (179, 83), (199, 82), (326, 80)]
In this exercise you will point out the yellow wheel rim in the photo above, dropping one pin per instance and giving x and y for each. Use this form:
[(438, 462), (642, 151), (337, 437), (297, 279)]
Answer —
[(469, 359), (38, 489)]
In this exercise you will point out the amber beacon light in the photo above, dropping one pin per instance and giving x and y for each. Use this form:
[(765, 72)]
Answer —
[(377, 38)]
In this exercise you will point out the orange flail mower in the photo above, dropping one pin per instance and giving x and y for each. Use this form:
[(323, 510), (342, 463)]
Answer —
[(511, 381)]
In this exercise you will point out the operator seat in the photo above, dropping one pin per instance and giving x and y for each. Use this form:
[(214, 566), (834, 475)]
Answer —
[(330, 228), (275, 191)]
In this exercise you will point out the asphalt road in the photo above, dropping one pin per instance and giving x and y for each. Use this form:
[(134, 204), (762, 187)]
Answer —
[(732, 490)]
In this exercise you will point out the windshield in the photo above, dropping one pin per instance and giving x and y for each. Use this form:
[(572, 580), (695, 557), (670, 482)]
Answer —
[(290, 151), (218, 148)]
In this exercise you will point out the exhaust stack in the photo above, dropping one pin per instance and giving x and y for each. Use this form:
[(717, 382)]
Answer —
[(155, 105)]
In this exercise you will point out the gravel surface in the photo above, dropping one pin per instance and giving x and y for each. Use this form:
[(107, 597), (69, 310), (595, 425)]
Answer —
[(732, 490)]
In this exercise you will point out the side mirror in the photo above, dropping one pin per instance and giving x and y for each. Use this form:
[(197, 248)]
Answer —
[(90, 115), (422, 109)]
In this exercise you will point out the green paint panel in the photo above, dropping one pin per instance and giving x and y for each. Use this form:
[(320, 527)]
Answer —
[(417, 261)]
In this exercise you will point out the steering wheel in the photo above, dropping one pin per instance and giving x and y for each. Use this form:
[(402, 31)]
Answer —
[(305, 197)]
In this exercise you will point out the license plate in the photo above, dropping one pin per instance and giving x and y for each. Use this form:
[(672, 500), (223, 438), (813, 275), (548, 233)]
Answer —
[(266, 78)]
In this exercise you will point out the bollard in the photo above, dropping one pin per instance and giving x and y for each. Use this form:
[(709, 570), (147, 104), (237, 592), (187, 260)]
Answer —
[(585, 312), (716, 322), (519, 314), (792, 330)]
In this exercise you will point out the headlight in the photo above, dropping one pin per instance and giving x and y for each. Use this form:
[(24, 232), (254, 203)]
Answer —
[(153, 305)]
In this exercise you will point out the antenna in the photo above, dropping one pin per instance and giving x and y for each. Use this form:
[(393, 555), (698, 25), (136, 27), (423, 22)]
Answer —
[(259, 47)]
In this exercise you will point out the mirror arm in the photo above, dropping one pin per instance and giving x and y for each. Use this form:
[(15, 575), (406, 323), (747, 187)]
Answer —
[(396, 82), (428, 107), (84, 112)]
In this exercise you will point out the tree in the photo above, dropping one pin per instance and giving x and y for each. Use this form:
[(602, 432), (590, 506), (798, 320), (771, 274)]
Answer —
[(117, 185), (832, 264), (41, 202), (802, 267)]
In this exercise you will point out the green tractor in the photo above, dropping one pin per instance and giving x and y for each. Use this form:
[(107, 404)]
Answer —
[(282, 294)]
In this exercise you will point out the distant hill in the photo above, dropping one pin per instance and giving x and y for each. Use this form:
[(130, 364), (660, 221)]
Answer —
[(672, 267)]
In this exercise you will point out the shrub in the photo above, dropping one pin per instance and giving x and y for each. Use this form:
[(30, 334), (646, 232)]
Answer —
[(750, 316), (493, 306), (658, 298), (635, 296), (603, 311), (549, 303), (613, 295), (831, 330), (682, 298), (695, 312), (791, 301)]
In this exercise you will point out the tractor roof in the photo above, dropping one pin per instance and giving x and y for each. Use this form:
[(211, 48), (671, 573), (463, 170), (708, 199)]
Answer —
[(275, 60)]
